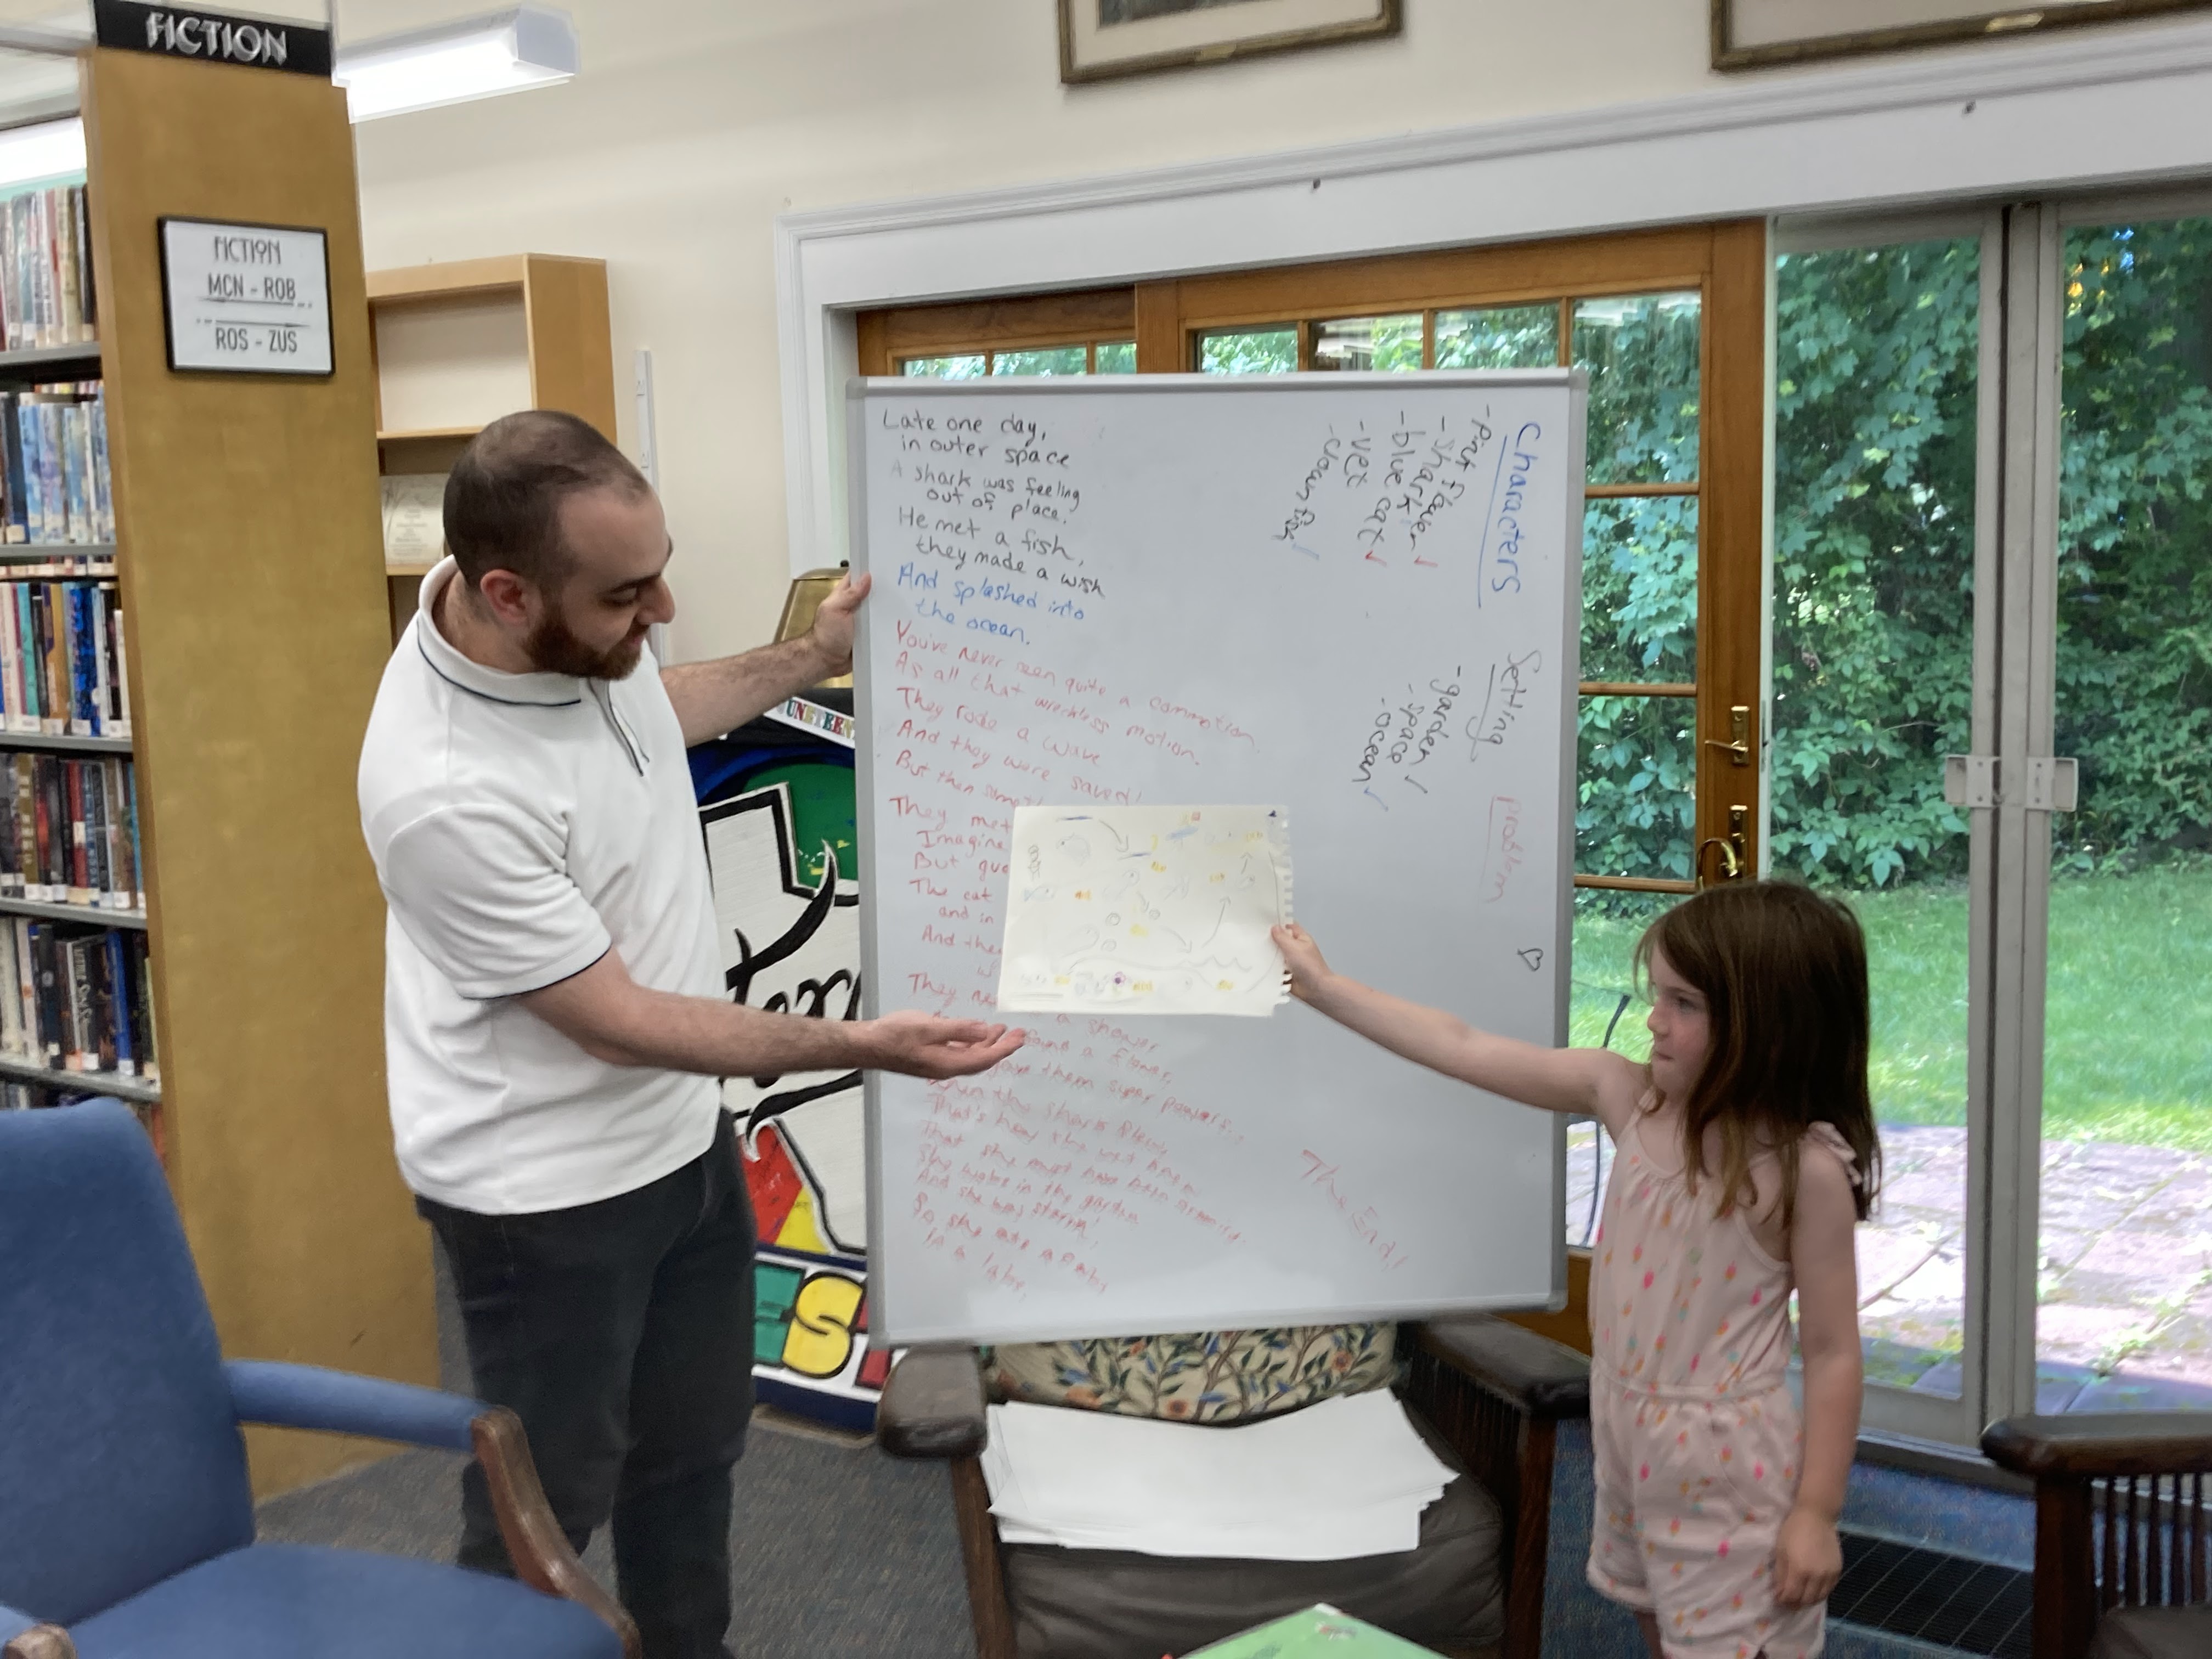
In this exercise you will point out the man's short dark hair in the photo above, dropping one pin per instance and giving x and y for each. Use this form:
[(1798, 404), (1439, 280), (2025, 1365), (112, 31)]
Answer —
[(503, 497)]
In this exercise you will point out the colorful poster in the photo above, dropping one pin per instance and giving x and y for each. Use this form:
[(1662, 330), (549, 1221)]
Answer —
[(777, 811)]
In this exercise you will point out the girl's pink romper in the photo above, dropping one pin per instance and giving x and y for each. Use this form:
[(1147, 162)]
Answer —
[(1695, 1435)]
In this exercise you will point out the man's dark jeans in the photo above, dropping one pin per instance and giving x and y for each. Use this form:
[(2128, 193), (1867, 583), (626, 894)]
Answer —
[(621, 1334)]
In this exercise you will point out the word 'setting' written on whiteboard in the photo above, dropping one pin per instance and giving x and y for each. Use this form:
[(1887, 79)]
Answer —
[(1352, 597)]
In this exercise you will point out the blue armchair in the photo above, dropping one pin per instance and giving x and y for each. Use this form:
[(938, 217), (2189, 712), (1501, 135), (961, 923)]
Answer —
[(126, 1524)]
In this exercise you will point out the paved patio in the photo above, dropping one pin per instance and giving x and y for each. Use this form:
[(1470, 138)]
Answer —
[(2124, 1284)]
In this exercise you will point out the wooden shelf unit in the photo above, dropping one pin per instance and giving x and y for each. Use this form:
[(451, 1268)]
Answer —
[(458, 345), (247, 542)]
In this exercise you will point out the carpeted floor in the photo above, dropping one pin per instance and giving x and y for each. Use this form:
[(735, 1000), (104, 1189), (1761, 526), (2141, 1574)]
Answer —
[(838, 1549)]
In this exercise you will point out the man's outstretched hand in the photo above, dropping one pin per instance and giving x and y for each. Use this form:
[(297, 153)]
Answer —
[(924, 1045)]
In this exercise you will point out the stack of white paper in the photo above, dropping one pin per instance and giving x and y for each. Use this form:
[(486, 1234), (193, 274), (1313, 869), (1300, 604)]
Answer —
[(1348, 1477)]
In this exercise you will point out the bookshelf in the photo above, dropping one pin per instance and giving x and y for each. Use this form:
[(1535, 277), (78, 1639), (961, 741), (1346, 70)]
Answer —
[(256, 627), (460, 344)]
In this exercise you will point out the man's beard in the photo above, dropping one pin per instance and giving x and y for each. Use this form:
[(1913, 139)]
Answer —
[(553, 648)]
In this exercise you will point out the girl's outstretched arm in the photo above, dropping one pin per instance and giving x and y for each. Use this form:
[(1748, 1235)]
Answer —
[(1808, 1557), (1589, 1082)]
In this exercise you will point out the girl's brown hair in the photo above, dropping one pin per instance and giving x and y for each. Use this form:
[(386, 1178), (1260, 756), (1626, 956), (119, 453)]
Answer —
[(1784, 973)]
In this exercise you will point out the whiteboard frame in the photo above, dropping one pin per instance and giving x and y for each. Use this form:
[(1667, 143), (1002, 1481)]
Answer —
[(857, 390)]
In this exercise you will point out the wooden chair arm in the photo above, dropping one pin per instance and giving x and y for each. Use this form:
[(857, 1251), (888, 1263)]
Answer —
[(2096, 1443), (932, 1406), (41, 1641), (535, 1545), (1532, 1373)]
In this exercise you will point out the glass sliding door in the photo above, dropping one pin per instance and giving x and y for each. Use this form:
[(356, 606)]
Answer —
[(1878, 543), (2123, 1316)]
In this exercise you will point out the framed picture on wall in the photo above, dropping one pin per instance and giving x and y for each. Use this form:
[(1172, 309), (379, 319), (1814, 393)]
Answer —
[(1100, 39), (1753, 33)]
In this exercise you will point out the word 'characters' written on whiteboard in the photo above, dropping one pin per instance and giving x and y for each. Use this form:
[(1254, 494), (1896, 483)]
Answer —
[(1147, 911), (246, 299), (1354, 598)]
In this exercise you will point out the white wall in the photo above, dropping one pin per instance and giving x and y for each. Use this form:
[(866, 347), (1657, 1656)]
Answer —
[(695, 122)]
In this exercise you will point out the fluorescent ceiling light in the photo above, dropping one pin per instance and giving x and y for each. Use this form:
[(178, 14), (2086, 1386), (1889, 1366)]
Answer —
[(41, 151), (455, 63)]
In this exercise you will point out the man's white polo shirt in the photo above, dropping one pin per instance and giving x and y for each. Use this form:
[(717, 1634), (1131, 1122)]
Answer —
[(522, 825)]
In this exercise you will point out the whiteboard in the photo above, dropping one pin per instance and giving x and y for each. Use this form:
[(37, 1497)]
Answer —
[(1354, 596)]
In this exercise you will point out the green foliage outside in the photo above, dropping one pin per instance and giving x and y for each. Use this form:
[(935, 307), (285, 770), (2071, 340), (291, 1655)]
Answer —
[(2126, 1059)]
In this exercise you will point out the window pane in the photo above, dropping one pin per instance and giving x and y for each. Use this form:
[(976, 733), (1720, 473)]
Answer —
[(1249, 351), (1390, 343), (1498, 337), (2125, 1278), (1877, 354), (1636, 787), (967, 368), (1051, 360), (1118, 356), (1640, 589), (1642, 355)]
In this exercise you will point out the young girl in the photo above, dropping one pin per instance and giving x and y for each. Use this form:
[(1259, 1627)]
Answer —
[(1745, 1153)]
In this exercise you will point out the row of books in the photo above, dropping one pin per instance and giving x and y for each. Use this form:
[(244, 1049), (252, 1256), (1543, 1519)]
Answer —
[(69, 830), (55, 490), (77, 999), (61, 660), (46, 268)]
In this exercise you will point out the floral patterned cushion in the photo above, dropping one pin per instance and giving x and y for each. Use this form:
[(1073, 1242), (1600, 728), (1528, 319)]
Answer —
[(1203, 1377)]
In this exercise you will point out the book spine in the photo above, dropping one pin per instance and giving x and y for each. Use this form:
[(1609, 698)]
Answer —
[(11, 297), (94, 775), (119, 667), (137, 846), (27, 657), (88, 288), (42, 835), (80, 837), (101, 1050), (66, 247), (122, 873), (26, 991), (150, 1028), (11, 1007), (11, 843), (76, 454), (119, 1021), (53, 673), (51, 488), (25, 825), (84, 661), (48, 979), (50, 272), (61, 857), (83, 1046), (11, 691), (103, 683), (103, 487), (18, 526)]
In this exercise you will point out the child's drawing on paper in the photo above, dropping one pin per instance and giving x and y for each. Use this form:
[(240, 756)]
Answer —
[(1145, 909)]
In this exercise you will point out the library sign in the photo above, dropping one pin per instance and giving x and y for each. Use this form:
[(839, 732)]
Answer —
[(246, 299), (213, 37)]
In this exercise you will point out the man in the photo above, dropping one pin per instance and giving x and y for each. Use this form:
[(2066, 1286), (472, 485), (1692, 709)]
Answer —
[(555, 1014)]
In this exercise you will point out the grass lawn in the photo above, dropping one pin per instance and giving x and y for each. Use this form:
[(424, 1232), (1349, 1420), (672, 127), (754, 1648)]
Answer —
[(2128, 1041)]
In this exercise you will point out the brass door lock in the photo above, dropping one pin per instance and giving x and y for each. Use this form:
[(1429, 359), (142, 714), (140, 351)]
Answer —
[(1735, 853)]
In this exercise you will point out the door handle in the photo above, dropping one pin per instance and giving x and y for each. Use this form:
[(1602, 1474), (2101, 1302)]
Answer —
[(1739, 752)]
